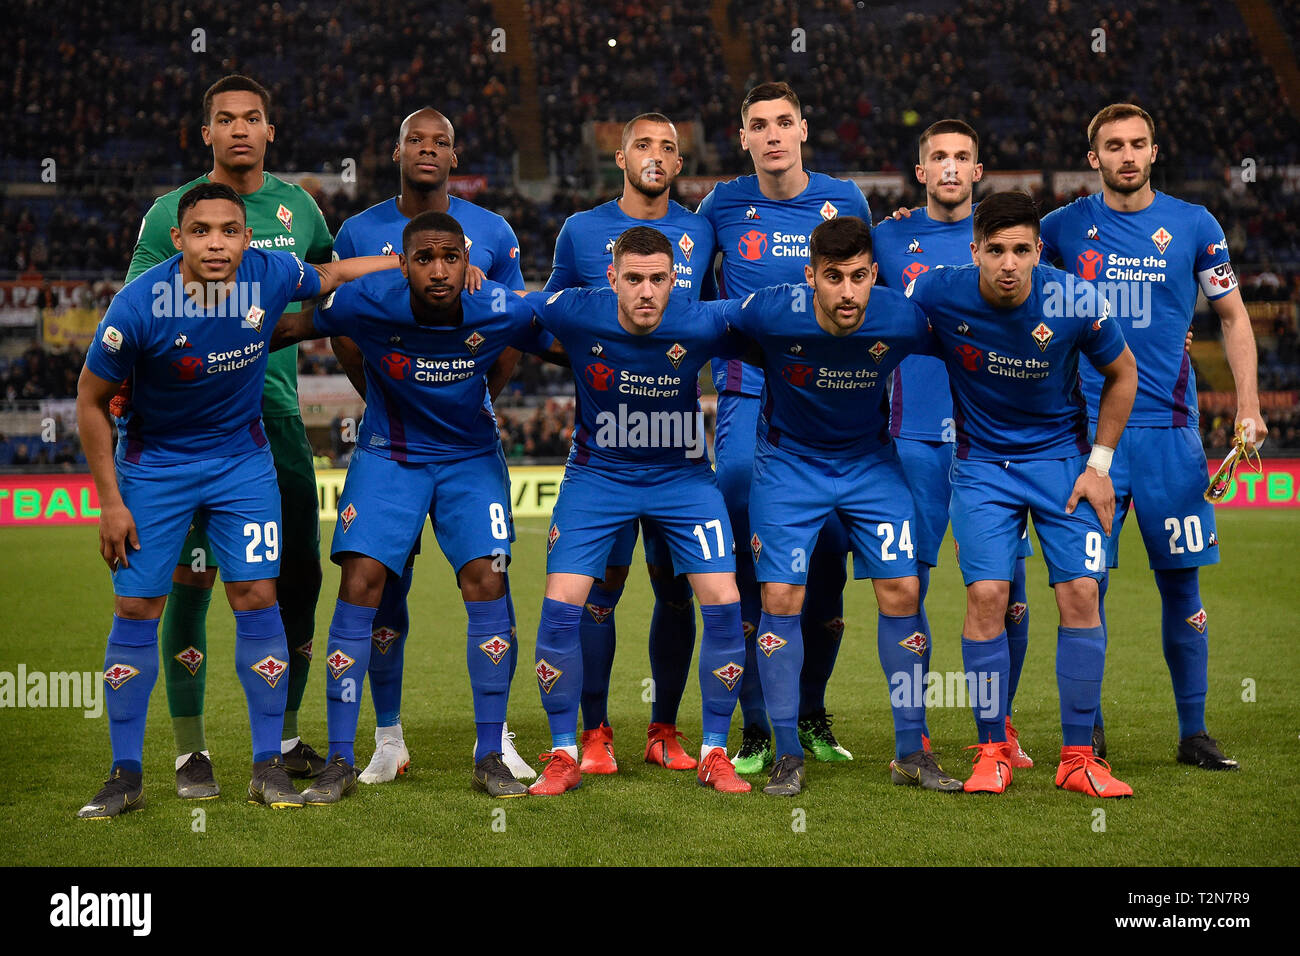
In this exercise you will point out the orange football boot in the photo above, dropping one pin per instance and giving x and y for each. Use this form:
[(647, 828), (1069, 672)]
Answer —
[(717, 772), (1019, 759), (991, 772), (598, 750), (663, 749), (561, 775), (1083, 772)]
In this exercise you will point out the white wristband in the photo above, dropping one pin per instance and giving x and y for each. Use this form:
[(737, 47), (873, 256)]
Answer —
[(1099, 460)]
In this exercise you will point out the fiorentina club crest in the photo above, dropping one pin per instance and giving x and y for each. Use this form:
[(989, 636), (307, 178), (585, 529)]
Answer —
[(1199, 620), (675, 355), (304, 650), (383, 638), (347, 516), (285, 215), (468, 243), (756, 545), (338, 663), (119, 674), (915, 642), (473, 342), (495, 648), (769, 643), (271, 669), (749, 628), (1016, 611), (254, 318), (828, 211), (1042, 335), (877, 351), (190, 659), (547, 675), (552, 537), (686, 245), (599, 614), (729, 673), (1162, 238)]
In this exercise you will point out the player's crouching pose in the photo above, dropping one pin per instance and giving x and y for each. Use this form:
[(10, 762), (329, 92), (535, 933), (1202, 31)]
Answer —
[(427, 446), (193, 334), (638, 453), (824, 450), (1012, 339)]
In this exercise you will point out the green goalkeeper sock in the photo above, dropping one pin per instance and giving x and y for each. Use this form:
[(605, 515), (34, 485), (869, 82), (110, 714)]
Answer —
[(184, 648)]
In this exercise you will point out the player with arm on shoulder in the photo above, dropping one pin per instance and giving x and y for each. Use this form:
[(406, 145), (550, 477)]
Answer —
[(824, 448), (639, 453), (762, 225), (1150, 253), (427, 447), (1012, 335), (192, 336), (920, 409), (425, 155), (282, 216), (650, 161)]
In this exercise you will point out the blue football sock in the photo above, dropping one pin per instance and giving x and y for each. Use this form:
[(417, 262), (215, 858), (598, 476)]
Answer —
[(130, 670), (672, 645), (1017, 629), (823, 626), (598, 640), (1102, 587), (486, 646), (987, 664), (901, 643), (752, 712), (780, 652), (559, 668), (923, 575), (388, 649), (722, 650), (345, 670), (512, 656), (262, 662), (1080, 664), (1184, 632)]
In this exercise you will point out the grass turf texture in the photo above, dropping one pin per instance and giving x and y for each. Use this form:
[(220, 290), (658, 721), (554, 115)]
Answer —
[(53, 760)]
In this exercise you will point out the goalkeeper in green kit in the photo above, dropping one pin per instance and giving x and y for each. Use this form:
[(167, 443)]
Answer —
[(236, 124)]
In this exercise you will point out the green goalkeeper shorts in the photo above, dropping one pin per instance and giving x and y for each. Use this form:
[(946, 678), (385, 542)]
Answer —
[(299, 506)]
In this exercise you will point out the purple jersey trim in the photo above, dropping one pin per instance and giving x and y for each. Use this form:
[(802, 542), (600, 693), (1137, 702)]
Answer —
[(134, 443), (396, 431), (256, 433), (896, 402), (1180, 392)]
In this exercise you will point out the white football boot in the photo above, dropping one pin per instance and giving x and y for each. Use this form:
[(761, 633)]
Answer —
[(391, 757)]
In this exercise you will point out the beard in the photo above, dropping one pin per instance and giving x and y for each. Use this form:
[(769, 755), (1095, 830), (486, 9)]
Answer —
[(953, 203), (1118, 185), (650, 191)]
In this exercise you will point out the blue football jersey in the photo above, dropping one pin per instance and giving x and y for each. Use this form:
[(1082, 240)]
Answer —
[(425, 383), (585, 247), (825, 393), (1149, 265), (764, 242), (920, 404), (196, 374), (1014, 373), (489, 240), (637, 394)]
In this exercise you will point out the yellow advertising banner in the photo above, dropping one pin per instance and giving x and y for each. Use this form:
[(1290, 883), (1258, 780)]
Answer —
[(533, 489)]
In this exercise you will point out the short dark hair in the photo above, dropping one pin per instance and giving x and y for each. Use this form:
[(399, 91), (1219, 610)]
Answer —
[(839, 240), (949, 126), (233, 83), (1117, 111), (642, 241), (769, 91), (998, 211), (644, 117), (208, 191), (432, 222)]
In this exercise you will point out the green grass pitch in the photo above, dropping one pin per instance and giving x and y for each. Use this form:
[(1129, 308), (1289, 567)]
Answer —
[(58, 602)]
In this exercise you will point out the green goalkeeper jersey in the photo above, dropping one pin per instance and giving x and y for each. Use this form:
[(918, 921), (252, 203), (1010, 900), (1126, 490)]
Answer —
[(282, 216)]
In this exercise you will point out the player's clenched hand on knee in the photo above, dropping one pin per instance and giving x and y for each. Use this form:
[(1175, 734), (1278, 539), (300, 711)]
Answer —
[(117, 536), (1098, 491)]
